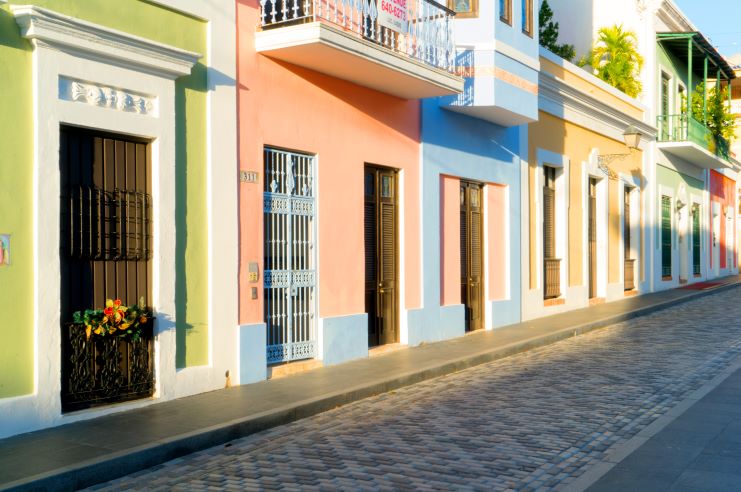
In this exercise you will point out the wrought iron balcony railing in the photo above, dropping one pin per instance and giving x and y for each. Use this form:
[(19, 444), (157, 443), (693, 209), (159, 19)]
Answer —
[(685, 128), (552, 284), (629, 274), (103, 370), (425, 34)]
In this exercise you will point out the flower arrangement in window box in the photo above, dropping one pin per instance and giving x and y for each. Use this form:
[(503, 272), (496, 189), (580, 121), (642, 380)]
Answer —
[(115, 320)]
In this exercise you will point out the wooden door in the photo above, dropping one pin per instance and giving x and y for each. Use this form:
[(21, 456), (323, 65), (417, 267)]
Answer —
[(381, 255), (105, 253), (592, 237), (105, 220), (472, 258)]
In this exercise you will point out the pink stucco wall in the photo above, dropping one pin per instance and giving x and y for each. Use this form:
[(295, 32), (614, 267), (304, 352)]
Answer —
[(450, 243), (346, 126), (723, 191), (497, 241)]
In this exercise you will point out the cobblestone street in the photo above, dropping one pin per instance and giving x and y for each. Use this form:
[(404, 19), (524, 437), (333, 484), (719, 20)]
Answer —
[(530, 421)]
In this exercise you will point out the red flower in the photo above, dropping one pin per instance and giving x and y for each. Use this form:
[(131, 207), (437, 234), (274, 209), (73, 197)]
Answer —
[(108, 311)]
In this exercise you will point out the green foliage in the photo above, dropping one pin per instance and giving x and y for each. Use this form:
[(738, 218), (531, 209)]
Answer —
[(549, 34), (720, 120), (616, 60)]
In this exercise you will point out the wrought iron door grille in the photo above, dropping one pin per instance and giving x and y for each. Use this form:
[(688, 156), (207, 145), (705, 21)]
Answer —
[(290, 277), (106, 225), (105, 370)]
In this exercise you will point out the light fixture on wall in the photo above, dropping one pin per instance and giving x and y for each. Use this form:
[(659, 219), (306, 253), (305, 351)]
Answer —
[(632, 138), (680, 204)]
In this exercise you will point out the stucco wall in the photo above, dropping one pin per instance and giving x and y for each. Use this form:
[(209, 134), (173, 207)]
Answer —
[(461, 147), (577, 143), (346, 126), (16, 319)]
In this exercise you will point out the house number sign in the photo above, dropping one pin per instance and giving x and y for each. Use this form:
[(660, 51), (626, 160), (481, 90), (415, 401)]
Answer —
[(249, 176)]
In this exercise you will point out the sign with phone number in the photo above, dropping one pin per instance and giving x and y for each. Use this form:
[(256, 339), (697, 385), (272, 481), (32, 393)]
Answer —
[(393, 14)]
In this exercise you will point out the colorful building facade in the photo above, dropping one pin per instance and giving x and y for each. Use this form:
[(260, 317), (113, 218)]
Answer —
[(585, 230), (329, 123), (116, 183), (288, 185), (471, 172)]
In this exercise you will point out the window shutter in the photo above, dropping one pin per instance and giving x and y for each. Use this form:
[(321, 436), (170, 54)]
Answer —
[(666, 236), (549, 222)]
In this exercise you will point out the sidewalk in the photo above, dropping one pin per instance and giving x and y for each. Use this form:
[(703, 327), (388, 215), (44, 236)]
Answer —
[(97, 450), (697, 451)]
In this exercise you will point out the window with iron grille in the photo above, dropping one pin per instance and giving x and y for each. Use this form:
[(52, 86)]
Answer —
[(666, 236)]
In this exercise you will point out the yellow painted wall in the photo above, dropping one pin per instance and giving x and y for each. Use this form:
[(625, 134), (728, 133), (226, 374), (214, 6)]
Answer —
[(561, 137)]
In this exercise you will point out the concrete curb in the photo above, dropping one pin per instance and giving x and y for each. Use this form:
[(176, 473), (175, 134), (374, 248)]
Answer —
[(109, 467)]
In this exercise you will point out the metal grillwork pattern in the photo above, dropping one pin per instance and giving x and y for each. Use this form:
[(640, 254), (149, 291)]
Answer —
[(290, 276), (427, 36), (552, 278), (105, 370), (107, 225), (629, 274)]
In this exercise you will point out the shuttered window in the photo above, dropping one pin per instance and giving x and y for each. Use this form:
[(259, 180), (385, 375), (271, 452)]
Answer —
[(666, 236), (626, 222), (549, 213), (696, 240), (505, 11)]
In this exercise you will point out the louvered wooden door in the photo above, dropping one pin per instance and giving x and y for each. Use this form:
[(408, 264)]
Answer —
[(472, 258), (381, 255), (592, 237), (105, 220)]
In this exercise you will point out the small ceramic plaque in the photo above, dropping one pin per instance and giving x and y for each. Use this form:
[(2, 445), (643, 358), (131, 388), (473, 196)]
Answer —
[(4, 250)]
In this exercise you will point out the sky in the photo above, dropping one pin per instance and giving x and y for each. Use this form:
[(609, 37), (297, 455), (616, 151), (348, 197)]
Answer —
[(718, 20)]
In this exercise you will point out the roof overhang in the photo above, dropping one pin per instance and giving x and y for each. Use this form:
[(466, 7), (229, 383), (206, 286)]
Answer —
[(677, 43)]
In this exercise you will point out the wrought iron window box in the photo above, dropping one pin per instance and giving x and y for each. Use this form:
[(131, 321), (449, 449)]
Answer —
[(103, 370)]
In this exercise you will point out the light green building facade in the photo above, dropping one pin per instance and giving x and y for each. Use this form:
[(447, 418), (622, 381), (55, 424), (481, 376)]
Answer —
[(166, 51)]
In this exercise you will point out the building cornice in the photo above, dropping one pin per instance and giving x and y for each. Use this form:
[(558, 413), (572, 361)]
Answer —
[(675, 20), (566, 102), (62, 32)]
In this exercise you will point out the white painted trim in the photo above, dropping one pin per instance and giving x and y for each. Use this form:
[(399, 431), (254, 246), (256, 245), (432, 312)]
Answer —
[(68, 33), (562, 164), (504, 49), (590, 169)]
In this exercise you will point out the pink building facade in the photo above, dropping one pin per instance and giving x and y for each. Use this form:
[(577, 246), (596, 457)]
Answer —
[(329, 191)]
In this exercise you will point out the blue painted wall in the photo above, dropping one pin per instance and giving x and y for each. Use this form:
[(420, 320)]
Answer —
[(458, 145)]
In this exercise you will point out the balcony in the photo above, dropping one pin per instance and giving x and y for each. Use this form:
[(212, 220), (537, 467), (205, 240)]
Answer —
[(410, 55), (99, 371), (629, 274), (683, 136), (497, 89), (552, 284)]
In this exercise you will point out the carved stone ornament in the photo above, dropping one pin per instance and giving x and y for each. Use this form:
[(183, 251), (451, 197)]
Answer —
[(106, 97)]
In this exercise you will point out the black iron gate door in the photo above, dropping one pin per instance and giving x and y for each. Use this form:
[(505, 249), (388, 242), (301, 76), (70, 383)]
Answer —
[(105, 253)]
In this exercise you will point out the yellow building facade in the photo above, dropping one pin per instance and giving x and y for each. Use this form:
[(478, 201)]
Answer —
[(584, 226)]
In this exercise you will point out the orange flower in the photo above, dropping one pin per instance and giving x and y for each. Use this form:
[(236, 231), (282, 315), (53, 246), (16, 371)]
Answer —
[(117, 303), (88, 329), (143, 319)]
